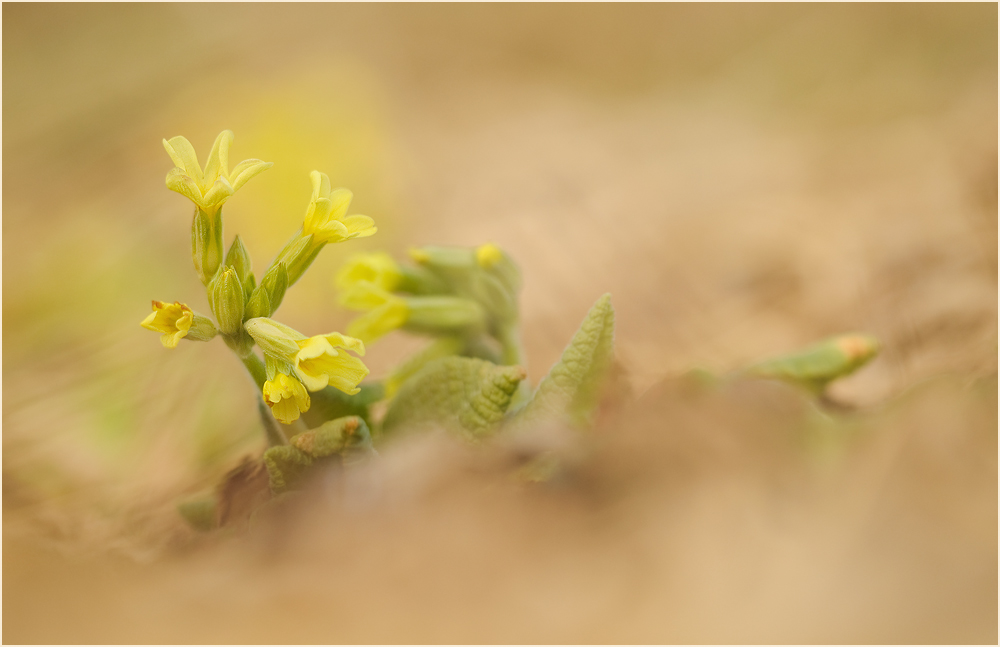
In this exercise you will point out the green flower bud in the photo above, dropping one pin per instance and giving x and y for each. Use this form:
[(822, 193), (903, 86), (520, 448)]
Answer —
[(259, 304), (275, 282), (227, 301), (206, 243), (239, 259), (440, 315), (274, 338)]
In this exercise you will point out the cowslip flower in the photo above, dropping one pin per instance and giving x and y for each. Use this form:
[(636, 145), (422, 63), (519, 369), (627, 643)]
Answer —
[(326, 218), (378, 268), (316, 361), (385, 311), (211, 187), (286, 397), (176, 321)]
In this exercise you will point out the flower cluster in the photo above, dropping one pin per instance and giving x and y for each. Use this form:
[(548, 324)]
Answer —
[(293, 365), (465, 298)]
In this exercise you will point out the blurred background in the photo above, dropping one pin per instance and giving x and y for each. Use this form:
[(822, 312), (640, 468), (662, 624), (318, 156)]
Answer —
[(744, 179)]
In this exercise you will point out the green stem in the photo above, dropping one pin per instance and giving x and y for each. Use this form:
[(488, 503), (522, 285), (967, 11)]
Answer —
[(257, 371)]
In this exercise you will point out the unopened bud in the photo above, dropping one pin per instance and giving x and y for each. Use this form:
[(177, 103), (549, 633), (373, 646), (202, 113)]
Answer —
[(239, 259), (259, 304), (275, 282), (227, 301)]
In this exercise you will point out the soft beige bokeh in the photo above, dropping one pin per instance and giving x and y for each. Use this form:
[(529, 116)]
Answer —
[(742, 179)]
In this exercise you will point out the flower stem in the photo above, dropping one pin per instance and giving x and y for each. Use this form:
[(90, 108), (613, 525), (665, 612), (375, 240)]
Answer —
[(272, 431)]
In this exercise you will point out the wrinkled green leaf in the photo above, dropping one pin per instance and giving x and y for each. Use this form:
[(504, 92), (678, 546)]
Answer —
[(288, 465), (570, 391), (462, 394)]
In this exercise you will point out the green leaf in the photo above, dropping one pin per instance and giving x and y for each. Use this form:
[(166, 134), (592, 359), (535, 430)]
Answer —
[(462, 394), (345, 436), (288, 465), (816, 366), (570, 391)]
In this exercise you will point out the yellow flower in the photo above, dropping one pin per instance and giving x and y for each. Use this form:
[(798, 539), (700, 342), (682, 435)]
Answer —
[(386, 311), (326, 217), (378, 268), (323, 360), (286, 397), (172, 319), (210, 188), (317, 361)]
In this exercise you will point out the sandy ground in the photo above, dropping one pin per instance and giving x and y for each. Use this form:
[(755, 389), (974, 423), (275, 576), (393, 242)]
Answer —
[(743, 180)]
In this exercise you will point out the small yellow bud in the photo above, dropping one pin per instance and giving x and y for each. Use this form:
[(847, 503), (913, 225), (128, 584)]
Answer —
[(488, 255)]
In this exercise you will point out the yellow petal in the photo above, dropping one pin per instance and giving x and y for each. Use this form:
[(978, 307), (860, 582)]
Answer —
[(217, 163), (245, 170), (340, 201), (320, 185), (343, 341), (218, 194), (285, 411), (380, 321), (364, 295), (182, 153), (350, 371), (333, 231), (359, 226), (183, 184)]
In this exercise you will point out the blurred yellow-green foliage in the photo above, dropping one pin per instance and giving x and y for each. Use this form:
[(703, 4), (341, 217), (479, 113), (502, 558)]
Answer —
[(744, 179)]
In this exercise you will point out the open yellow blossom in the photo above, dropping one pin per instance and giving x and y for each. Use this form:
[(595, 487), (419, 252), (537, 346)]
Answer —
[(317, 361), (323, 360), (286, 397), (176, 321), (386, 311), (172, 319), (378, 268), (211, 187), (326, 216)]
